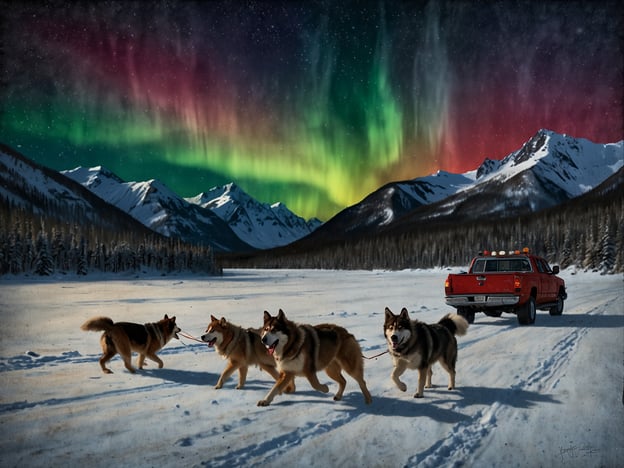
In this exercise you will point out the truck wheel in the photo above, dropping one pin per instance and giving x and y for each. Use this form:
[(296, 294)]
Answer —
[(557, 309), (468, 314), (526, 313)]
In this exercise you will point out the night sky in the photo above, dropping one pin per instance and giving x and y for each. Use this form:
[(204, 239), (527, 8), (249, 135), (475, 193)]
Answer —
[(314, 104)]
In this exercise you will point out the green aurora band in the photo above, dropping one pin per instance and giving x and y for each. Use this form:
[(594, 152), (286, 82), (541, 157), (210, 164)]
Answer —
[(315, 105)]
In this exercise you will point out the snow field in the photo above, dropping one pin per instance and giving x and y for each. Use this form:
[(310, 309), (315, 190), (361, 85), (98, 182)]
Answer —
[(542, 395)]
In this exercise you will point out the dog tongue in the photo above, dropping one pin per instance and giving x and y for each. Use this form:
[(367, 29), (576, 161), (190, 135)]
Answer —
[(271, 349)]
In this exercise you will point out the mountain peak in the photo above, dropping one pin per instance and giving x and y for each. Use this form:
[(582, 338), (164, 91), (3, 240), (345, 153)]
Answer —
[(93, 176), (259, 224), (487, 167), (547, 170)]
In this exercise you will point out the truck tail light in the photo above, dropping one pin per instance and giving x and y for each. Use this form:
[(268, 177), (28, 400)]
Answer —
[(447, 284), (517, 282)]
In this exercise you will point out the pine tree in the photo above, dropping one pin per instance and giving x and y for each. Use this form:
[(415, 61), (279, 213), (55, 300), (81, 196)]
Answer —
[(43, 260), (607, 247)]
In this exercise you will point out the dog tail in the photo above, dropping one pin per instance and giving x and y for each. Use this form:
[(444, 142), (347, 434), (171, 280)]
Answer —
[(455, 323), (97, 324)]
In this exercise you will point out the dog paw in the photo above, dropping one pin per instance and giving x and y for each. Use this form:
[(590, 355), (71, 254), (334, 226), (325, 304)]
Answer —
[(418, 395), (108, 371), (324, 388), (218, 386), (402, 386), (264, 403)]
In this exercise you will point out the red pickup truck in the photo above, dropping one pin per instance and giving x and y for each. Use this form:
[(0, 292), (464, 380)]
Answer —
[(515, 282)]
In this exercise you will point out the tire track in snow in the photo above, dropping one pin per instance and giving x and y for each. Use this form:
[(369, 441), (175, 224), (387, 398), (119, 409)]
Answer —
[(21, 405), (33, 360), (266, 451), (467, 436)]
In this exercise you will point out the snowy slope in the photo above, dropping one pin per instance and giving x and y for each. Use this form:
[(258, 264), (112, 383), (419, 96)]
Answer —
[(259, 224), (544, 395), (547, 170), (27, 184), (156, 206), (576, 165), (19, 177), (230, 218)]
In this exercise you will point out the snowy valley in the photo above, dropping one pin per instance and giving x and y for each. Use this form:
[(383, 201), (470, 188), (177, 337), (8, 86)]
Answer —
[(546, 395)]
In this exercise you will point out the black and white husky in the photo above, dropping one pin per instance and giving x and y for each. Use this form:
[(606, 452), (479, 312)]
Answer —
[(418, 345)]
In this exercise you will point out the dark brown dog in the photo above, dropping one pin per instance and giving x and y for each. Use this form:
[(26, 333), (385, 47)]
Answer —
[(125, 337)]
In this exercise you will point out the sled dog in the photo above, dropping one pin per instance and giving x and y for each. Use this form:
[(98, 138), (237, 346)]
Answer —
[(306, 349), (125, 337), (242, 348), (417, 345)]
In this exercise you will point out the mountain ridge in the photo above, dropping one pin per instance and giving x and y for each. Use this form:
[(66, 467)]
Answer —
[(547, 170), (226, 217)]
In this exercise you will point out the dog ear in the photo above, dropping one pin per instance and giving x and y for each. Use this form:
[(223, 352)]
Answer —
[(267, 316), (281, 315), (389, 314), (223, 322), (166, 318), (213, 318), (404, 313)]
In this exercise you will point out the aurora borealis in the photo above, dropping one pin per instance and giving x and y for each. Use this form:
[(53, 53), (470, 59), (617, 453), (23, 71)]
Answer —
[(311, 103)]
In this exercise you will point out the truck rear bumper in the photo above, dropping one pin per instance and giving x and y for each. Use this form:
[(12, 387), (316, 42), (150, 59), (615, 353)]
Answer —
[(482, 301)]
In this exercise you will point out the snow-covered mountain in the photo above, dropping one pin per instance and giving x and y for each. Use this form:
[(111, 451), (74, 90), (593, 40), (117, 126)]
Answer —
[(226, 217), (547, 170), (259, 224), (27, 185)]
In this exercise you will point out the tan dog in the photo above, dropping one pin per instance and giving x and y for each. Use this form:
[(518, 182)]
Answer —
[(125, 337), (242, 348), (306, 349), (418, 345)]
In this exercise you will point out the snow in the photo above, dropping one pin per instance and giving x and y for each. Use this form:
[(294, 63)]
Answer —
[(152, 203), (544, 395)]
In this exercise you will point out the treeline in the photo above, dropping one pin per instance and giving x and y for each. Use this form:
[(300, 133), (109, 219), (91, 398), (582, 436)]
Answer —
[(41, 245), (587, 234)]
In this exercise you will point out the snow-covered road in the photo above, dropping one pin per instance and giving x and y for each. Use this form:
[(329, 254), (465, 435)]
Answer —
[(550, 394)]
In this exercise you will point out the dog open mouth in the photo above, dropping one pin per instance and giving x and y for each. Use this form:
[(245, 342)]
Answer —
[(271, 347), (396, 342), (210, 342)]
